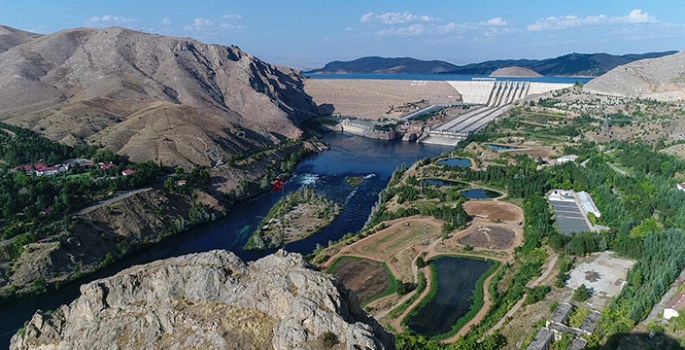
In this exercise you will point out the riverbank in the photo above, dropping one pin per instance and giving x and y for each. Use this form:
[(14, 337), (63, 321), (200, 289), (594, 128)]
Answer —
[(103, 234)]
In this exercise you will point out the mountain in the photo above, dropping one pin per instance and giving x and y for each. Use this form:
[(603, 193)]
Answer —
[(660, 78), (514, 72), (10, 37), (382, 65), (572, 64), (150, 97), (210, 300)]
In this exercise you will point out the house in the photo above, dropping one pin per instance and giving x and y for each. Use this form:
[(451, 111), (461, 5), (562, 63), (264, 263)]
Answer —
[(675, 305), (50, 170), (127, 172), (107, 166), (680, 186), (542, 340)]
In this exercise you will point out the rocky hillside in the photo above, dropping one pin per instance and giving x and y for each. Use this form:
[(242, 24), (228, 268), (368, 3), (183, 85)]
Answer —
[(658, 78), (213, 301), (150, 97), (10, 37), (515, 72)]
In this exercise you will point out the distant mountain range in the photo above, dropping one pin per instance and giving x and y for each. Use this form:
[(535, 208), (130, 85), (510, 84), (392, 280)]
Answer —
[(572, 64)]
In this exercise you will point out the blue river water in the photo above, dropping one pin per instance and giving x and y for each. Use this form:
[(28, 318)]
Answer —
[(374, 160), (447, 77)]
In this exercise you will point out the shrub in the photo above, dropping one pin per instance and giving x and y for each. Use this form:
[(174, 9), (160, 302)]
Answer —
[(581, 293)]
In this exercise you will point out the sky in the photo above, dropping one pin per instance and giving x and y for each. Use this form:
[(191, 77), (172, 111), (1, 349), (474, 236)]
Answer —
[(309, 33)]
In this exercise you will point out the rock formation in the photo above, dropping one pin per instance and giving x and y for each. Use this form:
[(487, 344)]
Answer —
[(515, 71), (213, 301), (149, 97), (660, 78)]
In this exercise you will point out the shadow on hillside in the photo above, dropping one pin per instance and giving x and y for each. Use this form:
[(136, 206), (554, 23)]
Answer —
[(639, 341)]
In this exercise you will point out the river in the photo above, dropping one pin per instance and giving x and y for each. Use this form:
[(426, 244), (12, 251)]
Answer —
[(349, 155)]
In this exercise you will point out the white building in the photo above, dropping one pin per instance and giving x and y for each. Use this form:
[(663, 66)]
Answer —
[(588, 204), (680, 186), (567, 158)]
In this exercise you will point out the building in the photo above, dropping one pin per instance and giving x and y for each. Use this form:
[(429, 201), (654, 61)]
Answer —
[(680, 186), (588, 204), (577, 344), (675, 305), (542, 340), (590, 322), (127, 172), (567, 158), (561, 313)]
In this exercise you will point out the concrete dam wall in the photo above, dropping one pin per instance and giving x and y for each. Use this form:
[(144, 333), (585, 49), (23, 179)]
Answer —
[(501, 92)]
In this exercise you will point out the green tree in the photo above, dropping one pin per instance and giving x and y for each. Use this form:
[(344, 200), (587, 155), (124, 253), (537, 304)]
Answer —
[(581, 293)]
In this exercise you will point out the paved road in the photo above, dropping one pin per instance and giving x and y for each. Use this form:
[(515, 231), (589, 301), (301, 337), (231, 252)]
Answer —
[(618, 170), (120, 195)]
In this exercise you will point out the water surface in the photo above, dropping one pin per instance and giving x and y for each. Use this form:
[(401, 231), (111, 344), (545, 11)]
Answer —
[(374, 160), (457, 279), (462, 162), (479, 193)]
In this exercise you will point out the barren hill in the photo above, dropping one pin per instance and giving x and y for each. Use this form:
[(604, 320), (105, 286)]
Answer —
[(147, 96), (660, 78), (515, 71), (10, 37)]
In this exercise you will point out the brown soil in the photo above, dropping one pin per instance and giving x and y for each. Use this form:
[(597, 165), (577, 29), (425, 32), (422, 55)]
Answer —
[(365, 277), (494, 210), (491, 237)]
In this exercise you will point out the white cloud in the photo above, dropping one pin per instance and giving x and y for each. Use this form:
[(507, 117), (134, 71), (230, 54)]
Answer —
[(495, 22), (367, 17), (412, 30), (109, 19), (210, 27), (166, 21), (571, 21), (451, 27), (232, 16), (394, 18)]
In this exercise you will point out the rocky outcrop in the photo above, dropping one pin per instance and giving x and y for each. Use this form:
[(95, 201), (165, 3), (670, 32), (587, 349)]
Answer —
[(515, 71), (210, 300), (660, 78)]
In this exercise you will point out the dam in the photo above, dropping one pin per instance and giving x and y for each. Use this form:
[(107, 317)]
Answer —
[(382, 99)]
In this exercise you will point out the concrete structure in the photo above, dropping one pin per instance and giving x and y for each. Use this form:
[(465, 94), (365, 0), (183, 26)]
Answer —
[(577, 344), (590, 322), (561, 313), (542, 340), (608, 274), (588, 204), (500, 92)]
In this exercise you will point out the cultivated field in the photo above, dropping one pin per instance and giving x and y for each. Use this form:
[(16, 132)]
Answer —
[(365, 277)]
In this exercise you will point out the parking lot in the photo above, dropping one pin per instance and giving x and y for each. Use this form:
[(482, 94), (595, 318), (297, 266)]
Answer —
[(569, 218)]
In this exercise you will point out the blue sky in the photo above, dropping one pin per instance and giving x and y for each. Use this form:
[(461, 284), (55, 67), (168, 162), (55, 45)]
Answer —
[(309, 33)]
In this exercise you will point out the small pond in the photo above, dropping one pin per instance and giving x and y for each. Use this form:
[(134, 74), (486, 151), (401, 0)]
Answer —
[(479, 193), (457, 279), (462, 162), (501, 147), (443, 183)]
